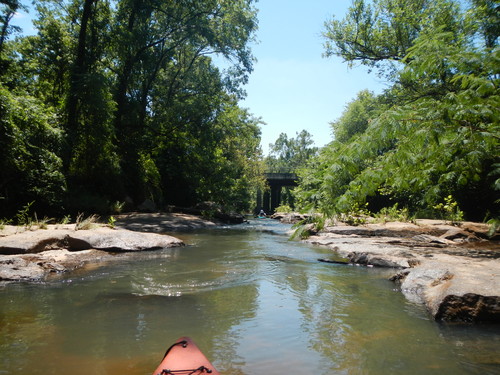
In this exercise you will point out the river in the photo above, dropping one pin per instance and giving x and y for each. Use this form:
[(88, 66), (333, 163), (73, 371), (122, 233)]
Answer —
[(254, 302)]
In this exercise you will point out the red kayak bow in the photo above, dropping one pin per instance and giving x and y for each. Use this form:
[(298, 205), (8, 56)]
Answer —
[(185, 358)]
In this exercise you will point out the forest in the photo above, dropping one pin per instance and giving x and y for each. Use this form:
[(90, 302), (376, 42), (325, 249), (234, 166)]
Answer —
[(429, 145), (113, 102)]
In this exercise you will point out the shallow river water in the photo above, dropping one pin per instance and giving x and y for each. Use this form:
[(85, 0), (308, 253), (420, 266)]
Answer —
[(253, 301)]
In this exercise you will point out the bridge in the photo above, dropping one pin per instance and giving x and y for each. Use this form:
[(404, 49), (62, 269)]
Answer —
[(272, 199)]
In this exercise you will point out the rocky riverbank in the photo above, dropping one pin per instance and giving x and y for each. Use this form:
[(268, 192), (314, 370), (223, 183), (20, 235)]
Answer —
[(453, 270), (34, 254)]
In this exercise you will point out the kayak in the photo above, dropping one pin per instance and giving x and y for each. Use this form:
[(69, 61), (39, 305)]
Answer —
[(185, 358)]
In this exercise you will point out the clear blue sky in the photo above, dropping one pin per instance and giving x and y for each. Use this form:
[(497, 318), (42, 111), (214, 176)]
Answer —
[(292, 86)]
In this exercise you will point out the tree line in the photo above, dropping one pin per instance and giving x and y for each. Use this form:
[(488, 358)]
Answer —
[(429, 144), (119, 101)]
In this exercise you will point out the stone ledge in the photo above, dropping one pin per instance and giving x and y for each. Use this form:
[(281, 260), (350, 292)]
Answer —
[(453, 271), (33, 255)]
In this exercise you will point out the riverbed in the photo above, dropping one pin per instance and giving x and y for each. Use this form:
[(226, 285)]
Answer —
[(254, 302)]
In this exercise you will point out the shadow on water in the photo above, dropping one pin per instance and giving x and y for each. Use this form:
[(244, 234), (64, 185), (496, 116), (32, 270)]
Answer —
[(255, 302)]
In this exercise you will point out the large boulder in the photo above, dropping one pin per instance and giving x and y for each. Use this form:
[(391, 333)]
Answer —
[(456, 290), (35, 267)]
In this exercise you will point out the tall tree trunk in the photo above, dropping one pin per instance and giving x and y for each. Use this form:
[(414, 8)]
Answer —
[(78, 74)]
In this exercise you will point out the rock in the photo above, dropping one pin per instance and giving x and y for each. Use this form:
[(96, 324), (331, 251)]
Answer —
[(162, 222), (19, 269), (289, 218), (417, 281), (36, 267), (101, 238), (147, 206), (33, 241), (459, 235), (454, 271), (32, 255), (119, 240), (332, 261), (470, 307), (230, 217), (454, 290), (400, 275), (378, 261)]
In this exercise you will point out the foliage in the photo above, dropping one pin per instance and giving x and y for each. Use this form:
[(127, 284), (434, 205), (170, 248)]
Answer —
[(311, 224), (30, 144), (122, 101), (356, 215), (449, 210), (494, 226), (284, 208), (378, 33), (23, 216), (287, 155), (65, 220), (394, 213), (86, 223), (117, 207), (434, 133), (111, 221), (356, 117)]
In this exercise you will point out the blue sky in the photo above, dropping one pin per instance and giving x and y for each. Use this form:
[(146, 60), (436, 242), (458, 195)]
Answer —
[(292, 86)]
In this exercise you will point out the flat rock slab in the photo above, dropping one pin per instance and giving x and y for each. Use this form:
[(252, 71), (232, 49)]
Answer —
[(453, 271), (36, 267), (162, 222), (33, 255), (101, 238), (454, 289), (119, 240)]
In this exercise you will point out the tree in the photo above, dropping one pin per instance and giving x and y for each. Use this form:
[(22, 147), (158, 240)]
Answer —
[(287, 155), (356, 117), (166, 40), (435, 133), (379, 33), (30, 168), (131, 88), (8, 9)]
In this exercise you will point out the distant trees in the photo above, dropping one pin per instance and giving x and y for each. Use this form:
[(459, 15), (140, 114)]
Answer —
[(121, 100), (435, 133), (287, 155)]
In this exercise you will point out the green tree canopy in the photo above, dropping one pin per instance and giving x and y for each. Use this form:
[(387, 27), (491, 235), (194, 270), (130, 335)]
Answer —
[(131, 93), (435, 132), (287, 155)]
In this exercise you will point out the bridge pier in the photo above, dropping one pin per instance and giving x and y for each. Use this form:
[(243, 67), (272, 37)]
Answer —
[(270, 199), (275, 197)]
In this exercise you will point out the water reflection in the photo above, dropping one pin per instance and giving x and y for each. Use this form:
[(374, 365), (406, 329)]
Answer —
[(255, 302)]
